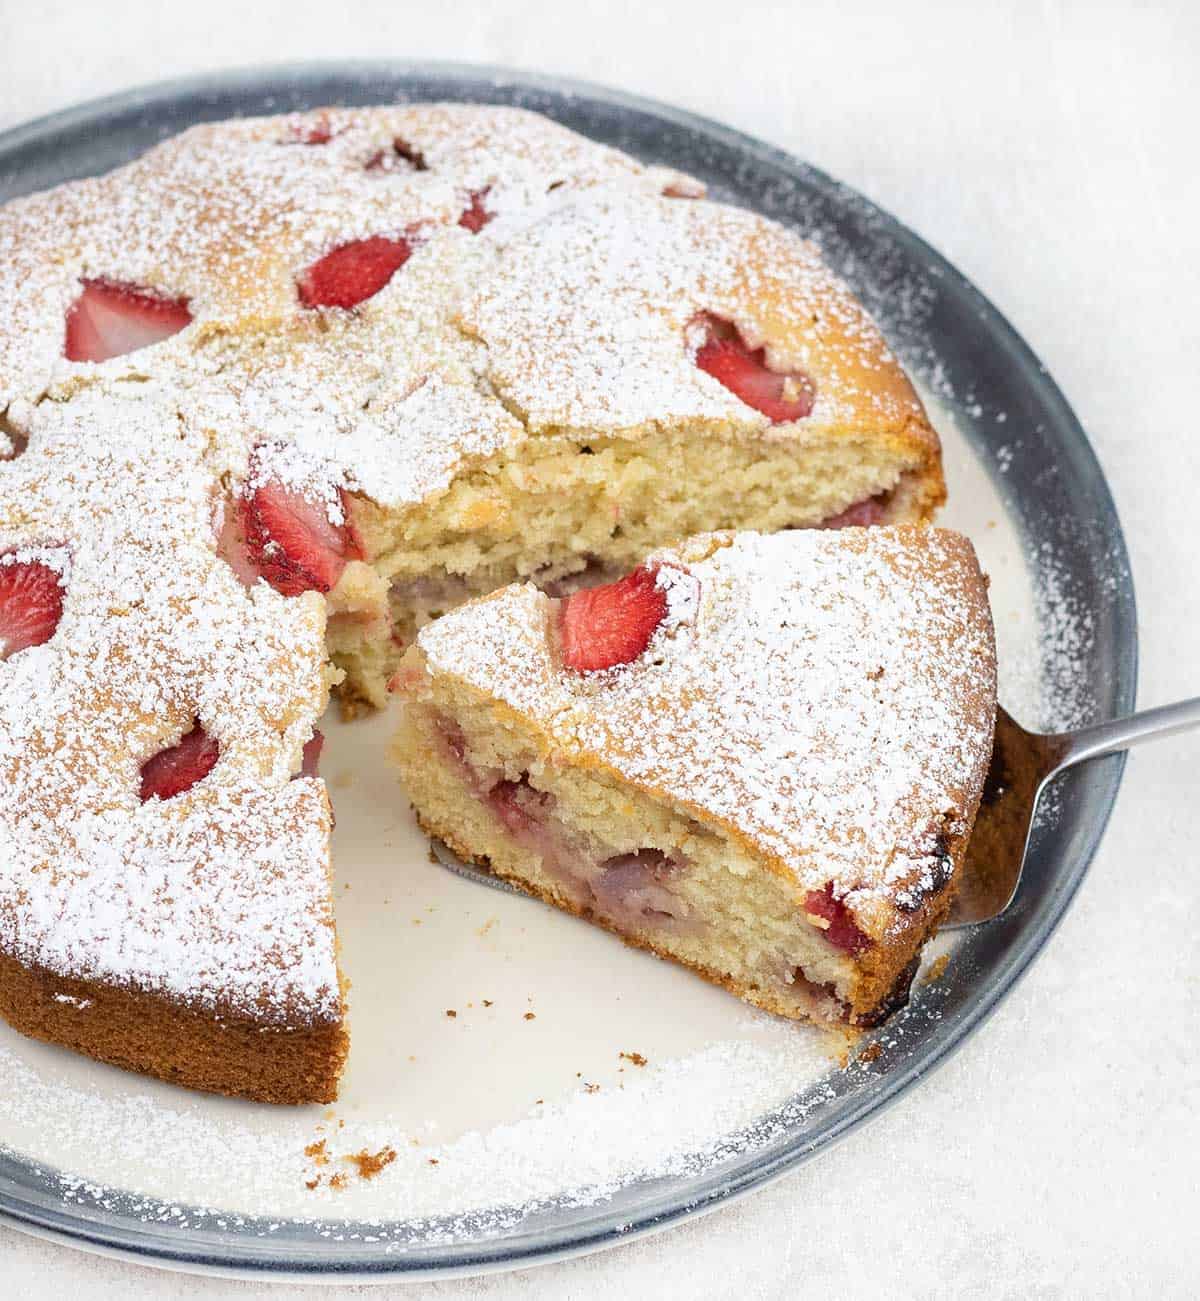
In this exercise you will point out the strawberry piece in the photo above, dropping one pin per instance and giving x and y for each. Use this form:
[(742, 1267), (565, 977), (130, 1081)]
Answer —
[(842, 931), (311, 759), (31, 600), (861, 515), (290, 541), (110, 320), (352, 273), (723, 354), (180, 767), (475, 216), (518, 806), (316, 132), (601, 627), (385, 161)]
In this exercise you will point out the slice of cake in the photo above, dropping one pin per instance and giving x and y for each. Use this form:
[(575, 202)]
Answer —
[(165, 896), (759, 756)]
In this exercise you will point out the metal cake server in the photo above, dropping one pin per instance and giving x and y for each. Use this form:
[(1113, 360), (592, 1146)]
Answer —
[(1023, 765)]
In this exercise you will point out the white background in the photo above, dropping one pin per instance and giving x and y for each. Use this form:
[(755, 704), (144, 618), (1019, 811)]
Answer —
[(1050, 151)]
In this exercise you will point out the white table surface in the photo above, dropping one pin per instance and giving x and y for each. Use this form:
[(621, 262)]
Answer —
[(1050, 151)]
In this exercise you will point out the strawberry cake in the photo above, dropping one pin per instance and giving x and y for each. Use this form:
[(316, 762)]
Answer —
[(760, 756), (272, 396)]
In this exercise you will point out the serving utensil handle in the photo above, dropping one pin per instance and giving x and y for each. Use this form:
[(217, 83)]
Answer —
[(1122, 733)]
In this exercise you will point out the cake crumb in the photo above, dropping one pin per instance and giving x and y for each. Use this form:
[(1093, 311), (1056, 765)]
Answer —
[(318, 1152), (337, 1181), (636, 1058), (487, 1002), (937, 969), (451, 1013), (529, 1016), (371, 1163), (487, 926), (871, 1053)]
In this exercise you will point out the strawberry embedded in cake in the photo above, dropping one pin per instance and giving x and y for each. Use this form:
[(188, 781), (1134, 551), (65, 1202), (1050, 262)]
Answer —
[(476, 215), (297, 542), (109, 320), (601, 627), (352, 273), (721, 352), (31, 602), (179, 767), (732, 756)]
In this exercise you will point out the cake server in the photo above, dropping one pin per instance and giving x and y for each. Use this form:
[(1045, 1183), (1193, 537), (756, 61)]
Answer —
[(1023, 765)]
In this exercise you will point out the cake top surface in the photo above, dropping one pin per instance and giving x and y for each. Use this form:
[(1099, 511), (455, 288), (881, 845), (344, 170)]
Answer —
[(827, 698)]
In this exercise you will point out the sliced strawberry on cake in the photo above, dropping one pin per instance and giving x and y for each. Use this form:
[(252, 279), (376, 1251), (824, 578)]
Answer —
[(760, 756), (31, 602), (352, 273), (110, 320), (297, 542), (179, 767)]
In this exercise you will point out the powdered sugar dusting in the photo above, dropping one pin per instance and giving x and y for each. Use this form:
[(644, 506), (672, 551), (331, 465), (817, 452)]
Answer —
[(208, 895), (587, 318)]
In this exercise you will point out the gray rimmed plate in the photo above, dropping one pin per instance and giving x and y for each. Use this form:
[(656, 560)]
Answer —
[(1020, 452)]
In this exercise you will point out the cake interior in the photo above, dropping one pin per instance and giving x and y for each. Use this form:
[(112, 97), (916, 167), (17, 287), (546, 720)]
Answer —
[(564, 505), (639, 866)]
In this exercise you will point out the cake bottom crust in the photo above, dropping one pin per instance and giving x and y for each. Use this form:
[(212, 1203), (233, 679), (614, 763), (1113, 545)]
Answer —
[(154, 1036)]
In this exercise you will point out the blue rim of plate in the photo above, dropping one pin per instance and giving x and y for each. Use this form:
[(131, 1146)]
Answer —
[(1055, 491)]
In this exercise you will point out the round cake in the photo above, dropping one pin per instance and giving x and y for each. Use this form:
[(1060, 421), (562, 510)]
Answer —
[(274, 395)]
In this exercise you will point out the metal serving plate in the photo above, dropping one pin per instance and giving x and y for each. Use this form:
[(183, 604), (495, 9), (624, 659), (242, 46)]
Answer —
[(1054, 494)]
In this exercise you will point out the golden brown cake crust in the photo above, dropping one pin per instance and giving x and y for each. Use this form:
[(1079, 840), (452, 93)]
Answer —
[(218, 1052)]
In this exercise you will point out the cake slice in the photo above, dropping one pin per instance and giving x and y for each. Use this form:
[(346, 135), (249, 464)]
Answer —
[(760, 756)]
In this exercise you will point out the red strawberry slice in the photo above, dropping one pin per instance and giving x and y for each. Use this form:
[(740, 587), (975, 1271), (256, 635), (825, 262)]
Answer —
[(861, 515), (31, 601), (311, 760), (110, 320), (518, 806), (354, 272), (289, 540), (842, 931), (316, 132), (475, 216), (780, 396), (180, 767), (601, 627)]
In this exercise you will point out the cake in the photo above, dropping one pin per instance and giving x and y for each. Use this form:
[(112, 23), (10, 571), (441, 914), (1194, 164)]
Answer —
[(759, 756), (272, 396)]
